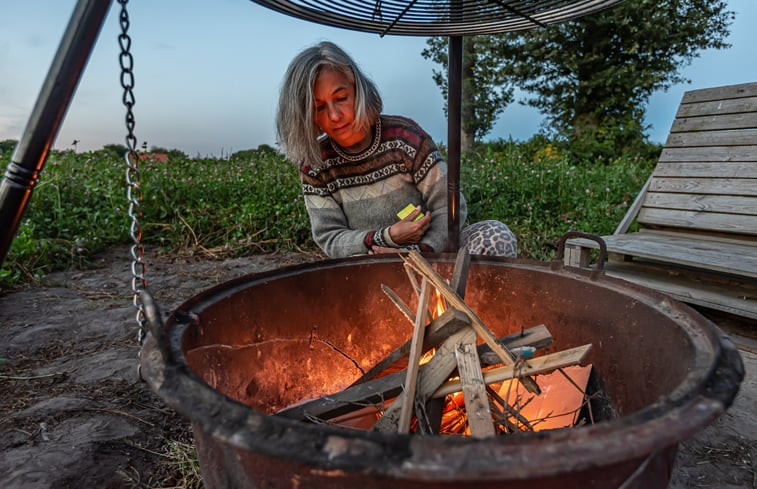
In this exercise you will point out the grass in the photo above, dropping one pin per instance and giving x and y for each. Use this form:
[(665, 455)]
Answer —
[(251, 203)]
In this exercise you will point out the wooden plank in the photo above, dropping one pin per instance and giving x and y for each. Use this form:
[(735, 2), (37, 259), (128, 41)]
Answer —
[(534, 366), (739, 260), (724, 186), (731, 296), (724, 106), (433, 374), (715, 123), (423, 267), (742, 137), (474, 390), (728, 204), (720, 93), (705, 169), (706, 236), (416, 349), (710, 153), (705, 221)]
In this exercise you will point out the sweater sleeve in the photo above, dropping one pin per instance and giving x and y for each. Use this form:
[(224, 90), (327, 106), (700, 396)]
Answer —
[(329, 224)]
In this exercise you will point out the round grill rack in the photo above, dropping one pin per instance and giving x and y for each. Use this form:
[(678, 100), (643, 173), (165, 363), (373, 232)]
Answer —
[(436, 17)]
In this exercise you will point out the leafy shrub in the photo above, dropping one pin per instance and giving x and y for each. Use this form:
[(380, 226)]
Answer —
[(251, 202)]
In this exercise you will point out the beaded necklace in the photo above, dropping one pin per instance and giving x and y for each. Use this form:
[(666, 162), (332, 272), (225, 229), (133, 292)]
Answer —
[(365, 153)]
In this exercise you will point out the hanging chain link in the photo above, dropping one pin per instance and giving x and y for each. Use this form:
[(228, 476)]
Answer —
[(133, 180)]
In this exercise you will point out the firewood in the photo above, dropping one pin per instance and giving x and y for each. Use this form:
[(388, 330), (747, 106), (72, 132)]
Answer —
[(417, 261), (437, 331), (432, 376), (376, 391), (416, 349), (404, 308), (538, 365), (474, 390), (434, 408)]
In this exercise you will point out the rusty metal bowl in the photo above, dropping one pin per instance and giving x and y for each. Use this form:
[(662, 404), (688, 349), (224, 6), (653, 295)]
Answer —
[(232, 355)]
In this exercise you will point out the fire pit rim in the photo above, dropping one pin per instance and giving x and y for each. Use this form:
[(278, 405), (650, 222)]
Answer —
[(440, 458)]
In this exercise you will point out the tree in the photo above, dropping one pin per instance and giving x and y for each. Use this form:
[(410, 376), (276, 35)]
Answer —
[(592, 77), (486, 92)]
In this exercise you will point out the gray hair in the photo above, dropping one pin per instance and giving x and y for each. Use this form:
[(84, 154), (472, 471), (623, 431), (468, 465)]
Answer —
[(296, 129)]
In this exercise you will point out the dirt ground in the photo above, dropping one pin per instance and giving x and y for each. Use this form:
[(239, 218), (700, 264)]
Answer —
[(74, 414)]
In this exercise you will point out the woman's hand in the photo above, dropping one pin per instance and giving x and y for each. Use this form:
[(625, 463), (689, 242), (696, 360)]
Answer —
[(408, 231)]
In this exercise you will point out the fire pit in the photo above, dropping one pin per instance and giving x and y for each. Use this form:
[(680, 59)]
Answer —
[(232, 356)]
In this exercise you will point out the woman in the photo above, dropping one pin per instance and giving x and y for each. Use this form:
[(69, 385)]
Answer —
[(359, 168)]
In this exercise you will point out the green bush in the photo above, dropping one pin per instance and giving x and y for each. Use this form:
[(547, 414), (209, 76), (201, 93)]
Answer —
[(251, 202)]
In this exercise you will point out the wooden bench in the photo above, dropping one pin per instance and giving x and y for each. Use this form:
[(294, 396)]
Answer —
[(697, 213)]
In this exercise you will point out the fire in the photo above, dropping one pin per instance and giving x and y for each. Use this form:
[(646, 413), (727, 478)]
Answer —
[(440, 306), (488, 396)]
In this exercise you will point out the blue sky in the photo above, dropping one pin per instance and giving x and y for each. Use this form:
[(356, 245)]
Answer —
[(208, 71)]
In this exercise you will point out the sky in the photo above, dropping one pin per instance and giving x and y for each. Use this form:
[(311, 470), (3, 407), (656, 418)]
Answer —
[(207, 74)]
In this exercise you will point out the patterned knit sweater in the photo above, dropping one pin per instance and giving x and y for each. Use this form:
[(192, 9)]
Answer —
[(353, 199)]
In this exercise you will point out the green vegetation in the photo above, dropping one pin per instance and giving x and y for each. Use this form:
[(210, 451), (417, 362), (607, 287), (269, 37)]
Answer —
[(251, 203)]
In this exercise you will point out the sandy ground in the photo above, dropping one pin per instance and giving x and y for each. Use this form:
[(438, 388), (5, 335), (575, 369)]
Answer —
[(74, 414)]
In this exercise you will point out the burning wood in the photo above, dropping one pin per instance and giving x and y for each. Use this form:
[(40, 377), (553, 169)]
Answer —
[(420, 388)]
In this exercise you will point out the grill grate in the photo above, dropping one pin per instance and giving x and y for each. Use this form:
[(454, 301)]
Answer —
[(436, 17)]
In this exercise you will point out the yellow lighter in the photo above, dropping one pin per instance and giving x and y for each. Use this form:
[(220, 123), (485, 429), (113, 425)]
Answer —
[(409, 208)]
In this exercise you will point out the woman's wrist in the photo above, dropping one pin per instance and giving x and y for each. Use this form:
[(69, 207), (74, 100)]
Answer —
[(387, 235)]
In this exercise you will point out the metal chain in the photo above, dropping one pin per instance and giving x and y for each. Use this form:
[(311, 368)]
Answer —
[(133, 180)]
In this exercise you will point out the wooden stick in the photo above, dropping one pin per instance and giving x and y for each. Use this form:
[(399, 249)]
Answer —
[(422, 266), (538, 365), (508, 409), (474, 390), (413, 281), (416, 349), (435, 407), (404, 308)]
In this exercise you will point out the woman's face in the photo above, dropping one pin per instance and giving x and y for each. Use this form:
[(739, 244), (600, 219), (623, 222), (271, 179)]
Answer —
[(335, 110)]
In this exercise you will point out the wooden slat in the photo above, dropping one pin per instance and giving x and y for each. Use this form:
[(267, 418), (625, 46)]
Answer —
[(734, 259), (707, 169), (416, 350), (538, 365), (703, 203), (720, 93), (714, 123), (741, 137), (474, 390), (734, 298), (724, 186), (710, 153), (706, 221), (717, 107)]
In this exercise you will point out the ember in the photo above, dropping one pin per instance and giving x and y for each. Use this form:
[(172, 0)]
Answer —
[(493, 391)]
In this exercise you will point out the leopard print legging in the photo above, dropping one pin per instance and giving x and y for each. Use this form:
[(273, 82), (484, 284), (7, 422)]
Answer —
[(491, 238)]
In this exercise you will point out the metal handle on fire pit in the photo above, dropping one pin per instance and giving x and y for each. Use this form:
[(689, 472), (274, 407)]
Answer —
[(577, 234)]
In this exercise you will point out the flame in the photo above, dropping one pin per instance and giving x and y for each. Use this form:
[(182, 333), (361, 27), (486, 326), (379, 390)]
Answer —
[(439, 304)]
